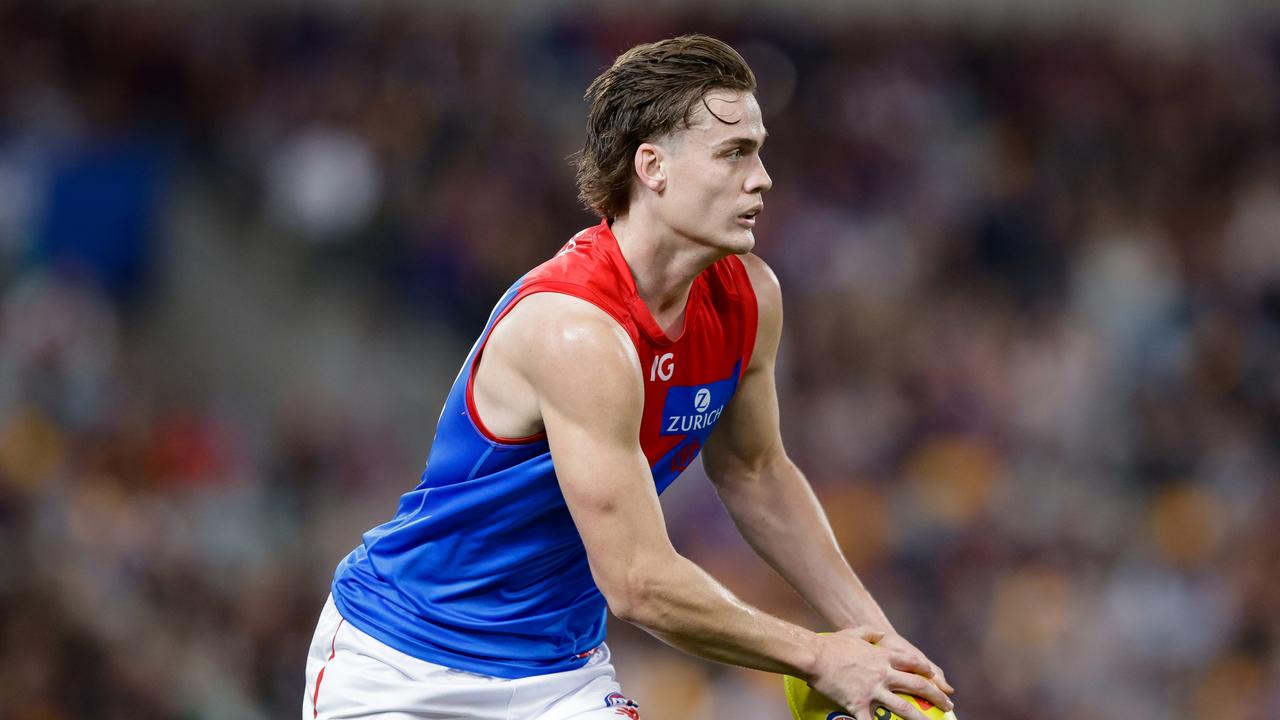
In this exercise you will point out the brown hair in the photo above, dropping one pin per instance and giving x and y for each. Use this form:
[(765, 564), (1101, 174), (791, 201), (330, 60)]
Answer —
[(649, 91)]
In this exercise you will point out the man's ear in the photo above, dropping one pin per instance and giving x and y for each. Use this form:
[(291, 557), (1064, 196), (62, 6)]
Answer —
[(651, 166)]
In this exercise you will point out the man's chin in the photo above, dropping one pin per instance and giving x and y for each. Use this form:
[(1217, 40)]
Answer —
[(742, 243), (733, 243)]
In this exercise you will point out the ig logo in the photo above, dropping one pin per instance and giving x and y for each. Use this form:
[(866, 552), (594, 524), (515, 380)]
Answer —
[(663, 367), (702, 399)]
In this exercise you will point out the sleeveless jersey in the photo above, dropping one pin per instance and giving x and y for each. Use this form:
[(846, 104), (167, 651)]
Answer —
[(482, 568)]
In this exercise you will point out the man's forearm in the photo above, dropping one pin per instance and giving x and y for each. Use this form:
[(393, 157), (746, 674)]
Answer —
[(777, 513), (684, 606)]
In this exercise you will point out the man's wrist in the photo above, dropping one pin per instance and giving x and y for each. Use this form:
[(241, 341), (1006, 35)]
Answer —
[(812, 659), (876, 622), (864, 612)]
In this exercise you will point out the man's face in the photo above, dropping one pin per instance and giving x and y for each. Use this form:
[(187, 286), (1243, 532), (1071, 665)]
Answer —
[(715, 177)]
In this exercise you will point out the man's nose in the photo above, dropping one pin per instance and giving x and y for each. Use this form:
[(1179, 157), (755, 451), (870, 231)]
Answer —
[(759, 181)]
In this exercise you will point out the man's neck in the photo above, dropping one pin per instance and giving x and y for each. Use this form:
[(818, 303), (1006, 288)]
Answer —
[(663, 266)]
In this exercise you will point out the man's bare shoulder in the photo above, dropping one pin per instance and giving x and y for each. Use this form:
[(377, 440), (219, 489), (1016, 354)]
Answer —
[(553, 337), (765, 284)]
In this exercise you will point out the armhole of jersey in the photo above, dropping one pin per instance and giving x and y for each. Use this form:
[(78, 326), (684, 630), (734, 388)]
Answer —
[(569, 289), (750, 313)]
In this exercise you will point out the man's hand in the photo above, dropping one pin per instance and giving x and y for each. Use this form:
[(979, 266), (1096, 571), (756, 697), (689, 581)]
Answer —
[(858, 672), (899, 644)]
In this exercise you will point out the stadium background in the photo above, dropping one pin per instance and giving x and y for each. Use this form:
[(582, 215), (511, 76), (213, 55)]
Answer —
[(1031, 260)]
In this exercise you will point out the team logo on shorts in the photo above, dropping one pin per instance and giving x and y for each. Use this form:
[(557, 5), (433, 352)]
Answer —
[(623, 705), (840, 715)]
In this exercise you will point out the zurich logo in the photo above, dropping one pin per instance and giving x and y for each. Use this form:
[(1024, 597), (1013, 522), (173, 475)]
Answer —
[(702, 400), (695, 408)]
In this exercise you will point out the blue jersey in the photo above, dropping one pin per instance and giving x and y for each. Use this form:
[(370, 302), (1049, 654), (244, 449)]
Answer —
[(482, 568)]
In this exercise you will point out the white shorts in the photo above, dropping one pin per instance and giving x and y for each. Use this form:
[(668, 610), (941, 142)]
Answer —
[(352, 675)]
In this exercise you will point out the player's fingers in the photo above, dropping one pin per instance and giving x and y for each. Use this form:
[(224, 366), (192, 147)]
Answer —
[(940, 678), (911, 663), (900, 706), (920, 687)]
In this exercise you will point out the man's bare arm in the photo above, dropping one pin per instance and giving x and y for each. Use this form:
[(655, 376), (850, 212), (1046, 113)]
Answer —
[(769, 498), (588, 384)]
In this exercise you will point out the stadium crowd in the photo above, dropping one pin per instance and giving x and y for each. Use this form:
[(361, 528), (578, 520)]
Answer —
[(1031, 360)]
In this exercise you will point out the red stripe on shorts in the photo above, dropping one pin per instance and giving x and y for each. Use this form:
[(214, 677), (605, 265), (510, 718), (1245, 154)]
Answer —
[(315, 696)]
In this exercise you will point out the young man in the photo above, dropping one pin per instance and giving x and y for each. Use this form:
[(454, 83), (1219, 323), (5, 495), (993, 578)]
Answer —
[(600, 376)]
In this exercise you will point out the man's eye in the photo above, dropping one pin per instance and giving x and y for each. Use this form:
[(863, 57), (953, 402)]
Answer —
[(734, 154)]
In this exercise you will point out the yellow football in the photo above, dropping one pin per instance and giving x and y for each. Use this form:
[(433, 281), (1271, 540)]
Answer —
[(809, 704)]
